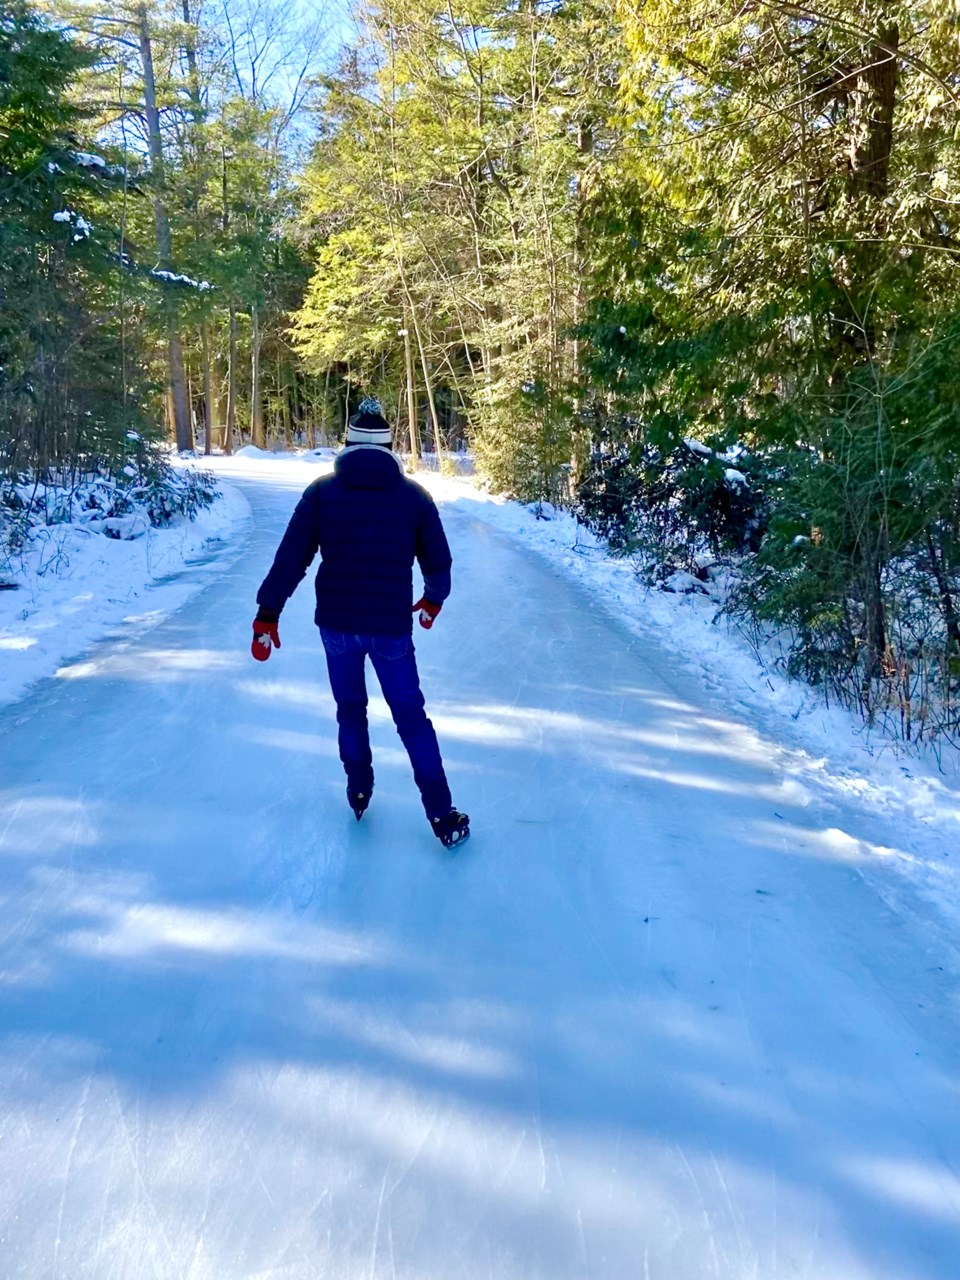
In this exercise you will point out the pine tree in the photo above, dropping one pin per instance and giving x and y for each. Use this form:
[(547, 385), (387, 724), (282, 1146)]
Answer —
[(65, 397)]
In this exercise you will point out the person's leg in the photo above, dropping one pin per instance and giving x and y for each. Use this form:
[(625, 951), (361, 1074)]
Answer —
[(395, 663), (345, 662)]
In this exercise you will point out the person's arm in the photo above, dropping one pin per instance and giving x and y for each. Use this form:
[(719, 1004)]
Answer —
[(295, 554), (433, 556)]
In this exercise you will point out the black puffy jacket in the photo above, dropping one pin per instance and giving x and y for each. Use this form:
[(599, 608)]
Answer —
[(369, 523)]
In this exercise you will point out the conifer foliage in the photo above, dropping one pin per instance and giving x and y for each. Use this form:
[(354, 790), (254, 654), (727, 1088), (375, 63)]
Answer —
[(61, 363)]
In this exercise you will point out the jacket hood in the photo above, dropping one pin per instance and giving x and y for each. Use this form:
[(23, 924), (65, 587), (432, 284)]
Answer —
[(368, 466)]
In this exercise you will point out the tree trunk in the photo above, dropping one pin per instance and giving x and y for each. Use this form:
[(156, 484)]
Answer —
[(209, 399), (283, 391), (428, 387), (947, 606), (871, 144), (411, 394), (257, 433), (326, 415), (190, 48), (231, 383), (179, 407), (179, 403), (304, 415), (874, 100), (873, 95), (231, 414), (875, 625), (220, 375)]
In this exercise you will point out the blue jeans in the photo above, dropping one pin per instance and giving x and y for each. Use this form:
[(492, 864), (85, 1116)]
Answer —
[(395, 663)]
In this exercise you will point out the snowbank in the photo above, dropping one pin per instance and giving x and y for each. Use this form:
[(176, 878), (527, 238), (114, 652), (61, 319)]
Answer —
[(74, 585), (308, 457)]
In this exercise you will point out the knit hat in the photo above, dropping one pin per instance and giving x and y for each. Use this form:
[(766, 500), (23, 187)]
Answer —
[(368, 425)]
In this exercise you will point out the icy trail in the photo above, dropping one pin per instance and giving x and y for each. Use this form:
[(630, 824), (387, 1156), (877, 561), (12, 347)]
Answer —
[(658, 1019)]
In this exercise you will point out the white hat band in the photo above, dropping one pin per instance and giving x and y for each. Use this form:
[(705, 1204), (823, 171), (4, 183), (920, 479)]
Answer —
[(374, 433)]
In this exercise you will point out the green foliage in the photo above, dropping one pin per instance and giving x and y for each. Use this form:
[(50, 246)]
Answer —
[(444, 193), (678, 508), (63, 354), (525, 442), (872, 520)]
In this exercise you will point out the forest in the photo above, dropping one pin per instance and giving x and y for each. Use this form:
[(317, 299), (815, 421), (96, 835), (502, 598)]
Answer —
[(688, 270)]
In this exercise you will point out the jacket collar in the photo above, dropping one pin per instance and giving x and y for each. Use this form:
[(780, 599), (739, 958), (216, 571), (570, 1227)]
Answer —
[(368, 448)]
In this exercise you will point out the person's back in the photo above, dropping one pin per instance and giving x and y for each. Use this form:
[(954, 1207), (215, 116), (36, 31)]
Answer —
[(369, 522)]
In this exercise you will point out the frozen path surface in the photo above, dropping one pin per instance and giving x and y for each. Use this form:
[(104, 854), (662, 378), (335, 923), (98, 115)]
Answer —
[(655, 1020)]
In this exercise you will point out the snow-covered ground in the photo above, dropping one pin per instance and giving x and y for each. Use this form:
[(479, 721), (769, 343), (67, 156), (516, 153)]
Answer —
[(681, 1009), (75, 586)]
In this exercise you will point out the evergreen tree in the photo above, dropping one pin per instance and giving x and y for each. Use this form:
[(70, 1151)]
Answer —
[(66, 390)]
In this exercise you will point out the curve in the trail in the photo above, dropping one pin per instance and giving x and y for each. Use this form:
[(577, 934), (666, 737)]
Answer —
[(651, 1022)]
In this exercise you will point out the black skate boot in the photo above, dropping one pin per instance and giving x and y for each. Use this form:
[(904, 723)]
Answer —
[(453, 828), (358, 801)]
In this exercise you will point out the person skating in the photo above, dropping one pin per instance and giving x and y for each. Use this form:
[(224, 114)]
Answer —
[(369, 522)]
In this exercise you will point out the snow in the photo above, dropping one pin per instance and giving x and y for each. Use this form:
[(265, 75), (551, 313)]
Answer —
[(695, 446), (682, 1008), (251, 451), (82, 225), (89, 161), (174, 278), (682, 581), (76, 585)]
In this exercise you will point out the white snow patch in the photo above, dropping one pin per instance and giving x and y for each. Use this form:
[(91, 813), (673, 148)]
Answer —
[(175, 278), (696, 446), (681, 582)]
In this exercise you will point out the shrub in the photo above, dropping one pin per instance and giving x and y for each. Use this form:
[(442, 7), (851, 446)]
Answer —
[(675, 507)]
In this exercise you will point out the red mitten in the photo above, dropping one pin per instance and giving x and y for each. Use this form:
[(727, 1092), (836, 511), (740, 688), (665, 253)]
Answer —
[(266, 634), (428, 612)]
